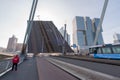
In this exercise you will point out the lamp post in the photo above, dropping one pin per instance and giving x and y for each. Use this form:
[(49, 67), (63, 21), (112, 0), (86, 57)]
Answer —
[(64, 40), (100, 23)]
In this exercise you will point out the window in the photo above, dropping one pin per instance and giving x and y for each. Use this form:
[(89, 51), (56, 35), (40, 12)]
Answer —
[(106, 50), (93, 50), (99, 50), (116, 49)]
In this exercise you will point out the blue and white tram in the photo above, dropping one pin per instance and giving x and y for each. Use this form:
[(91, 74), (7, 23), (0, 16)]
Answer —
[(110, 51)]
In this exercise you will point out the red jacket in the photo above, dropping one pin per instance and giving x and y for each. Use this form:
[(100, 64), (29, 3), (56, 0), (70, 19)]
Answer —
[(15, 59)]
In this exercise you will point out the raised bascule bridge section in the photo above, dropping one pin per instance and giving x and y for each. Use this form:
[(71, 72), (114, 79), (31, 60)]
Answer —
[(45, 38)]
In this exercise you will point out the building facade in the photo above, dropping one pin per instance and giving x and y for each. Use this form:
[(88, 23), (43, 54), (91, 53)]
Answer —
[(11, 47), (19, 46), (67, 36), (116, 37), (84, 30)]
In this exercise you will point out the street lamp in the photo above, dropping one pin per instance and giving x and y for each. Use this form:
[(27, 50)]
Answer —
[(64, 40)]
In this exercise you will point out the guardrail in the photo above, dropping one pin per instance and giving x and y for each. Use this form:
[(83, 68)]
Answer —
[(5, 65)]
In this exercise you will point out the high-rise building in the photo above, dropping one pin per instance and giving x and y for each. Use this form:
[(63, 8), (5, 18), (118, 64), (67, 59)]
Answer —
[(84, 30), (116, 37), (67, 36), (12, 44), (19, 46)]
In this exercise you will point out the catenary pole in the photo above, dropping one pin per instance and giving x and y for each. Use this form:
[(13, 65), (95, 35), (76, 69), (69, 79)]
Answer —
[(100, 23)]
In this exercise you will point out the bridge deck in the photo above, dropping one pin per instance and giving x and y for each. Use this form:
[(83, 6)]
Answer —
[(26, 71), (44, 70)]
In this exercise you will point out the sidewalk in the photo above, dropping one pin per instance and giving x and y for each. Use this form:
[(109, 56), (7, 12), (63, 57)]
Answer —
[(26, 71)]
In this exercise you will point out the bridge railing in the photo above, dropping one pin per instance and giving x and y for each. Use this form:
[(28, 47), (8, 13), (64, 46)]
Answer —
[(6, 65)]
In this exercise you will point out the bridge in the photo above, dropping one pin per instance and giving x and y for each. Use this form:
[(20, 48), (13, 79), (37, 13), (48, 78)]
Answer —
[(50, 59), (64, 67), (45, 38)]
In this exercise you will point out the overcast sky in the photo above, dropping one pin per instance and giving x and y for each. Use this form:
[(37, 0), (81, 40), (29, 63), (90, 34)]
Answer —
[(14, 15)]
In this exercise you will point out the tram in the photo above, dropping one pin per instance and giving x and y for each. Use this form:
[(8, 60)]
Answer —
[(110, 51)]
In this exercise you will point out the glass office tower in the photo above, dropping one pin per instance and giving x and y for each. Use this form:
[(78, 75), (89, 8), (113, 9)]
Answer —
[(84, 30), (78, 31)]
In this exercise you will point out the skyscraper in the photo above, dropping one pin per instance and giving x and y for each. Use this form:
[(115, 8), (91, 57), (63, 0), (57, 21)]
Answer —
[(19, 46), (67, 36), (12, 44), (116, 37), (84, 30)]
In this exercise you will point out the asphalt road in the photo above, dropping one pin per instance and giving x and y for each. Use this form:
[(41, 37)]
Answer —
[(48, 71), (100, 67)]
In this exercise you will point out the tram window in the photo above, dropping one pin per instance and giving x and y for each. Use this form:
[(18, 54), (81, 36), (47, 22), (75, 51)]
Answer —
[(92, 50), (95, 50), (99, 50), (106, 50), (116, 49)]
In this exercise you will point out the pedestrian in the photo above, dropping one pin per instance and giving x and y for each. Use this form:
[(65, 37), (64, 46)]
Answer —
[(15, 62)]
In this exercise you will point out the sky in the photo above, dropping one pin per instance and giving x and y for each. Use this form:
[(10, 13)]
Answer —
[(15, 13)]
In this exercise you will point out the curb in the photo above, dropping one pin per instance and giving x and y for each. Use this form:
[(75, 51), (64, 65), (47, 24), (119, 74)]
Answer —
[(80, 72), (105, 61), (63, 69)]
